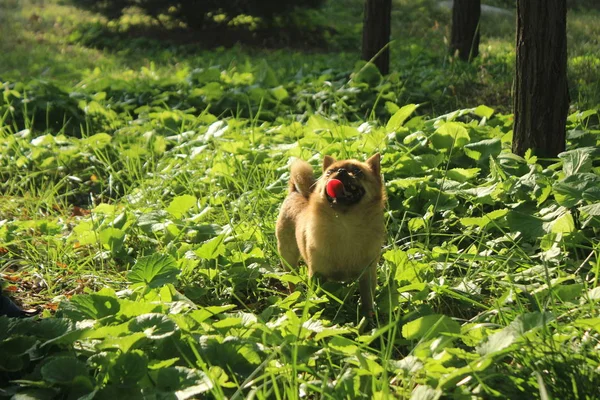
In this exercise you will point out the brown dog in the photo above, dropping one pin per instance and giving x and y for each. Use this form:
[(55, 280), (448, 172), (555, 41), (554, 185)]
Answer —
[(335, 223)]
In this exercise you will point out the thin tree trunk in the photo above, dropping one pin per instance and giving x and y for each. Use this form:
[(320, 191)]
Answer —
[(465, 28), (376, 33), (541, 100)]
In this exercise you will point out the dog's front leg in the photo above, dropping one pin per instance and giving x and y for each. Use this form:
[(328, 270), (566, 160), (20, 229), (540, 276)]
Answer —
[(366, 285)]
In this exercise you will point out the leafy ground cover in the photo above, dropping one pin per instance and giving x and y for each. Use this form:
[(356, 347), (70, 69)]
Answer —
[(138, 209), (52, 41), (169, 284)]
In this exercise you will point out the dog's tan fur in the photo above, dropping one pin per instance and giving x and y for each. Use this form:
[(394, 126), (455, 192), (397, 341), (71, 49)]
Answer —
[(337, 241)]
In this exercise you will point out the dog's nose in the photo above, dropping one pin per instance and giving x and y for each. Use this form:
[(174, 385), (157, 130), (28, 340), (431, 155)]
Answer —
[(342, 172)]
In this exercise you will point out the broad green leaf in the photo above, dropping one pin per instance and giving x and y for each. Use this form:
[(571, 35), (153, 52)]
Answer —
[(265, 75), (154, 326), (415, 224), (129, 367), (85, 233), (530, 226), (228, 322), (212, 91), (317, 123), (326, 332), (473, 333), (89, 306), (98, 141), (429, 326), (396, 257), (112, 239), (593, 323), (591, 209), (455, 375), (158, 364), (64, 370), (483, 221), (107, 331), (397, 120), (286, 278), (122, 343), (418, 287), (575, 188), (17, 345), (181, 204), (594, 294), (577, 160), (449, 135), (484, 111), (106, 209), (462, 174), (391, 107), (431, 161), (11, 363), (481, 151), (205, 75), (207, 312), (154, 271), (102, 360), (212, 248), (131, 309), (182, 382), (568, 292), (513, 332), (50, 328), (280, 93), (424, 392), (343, 345), (289, 301), (563, 224)]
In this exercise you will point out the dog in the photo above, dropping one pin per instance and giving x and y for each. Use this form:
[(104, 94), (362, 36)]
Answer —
[(336, 223)]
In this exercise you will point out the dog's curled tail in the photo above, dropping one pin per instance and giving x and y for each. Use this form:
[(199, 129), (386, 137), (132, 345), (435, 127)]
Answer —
[(302, 178)]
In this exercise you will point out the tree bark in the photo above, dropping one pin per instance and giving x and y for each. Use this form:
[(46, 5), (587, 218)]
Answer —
[(465, 28), (541, 100), (376, 33)]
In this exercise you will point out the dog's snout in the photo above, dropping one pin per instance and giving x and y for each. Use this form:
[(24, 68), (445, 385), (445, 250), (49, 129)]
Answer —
[(342, 172)]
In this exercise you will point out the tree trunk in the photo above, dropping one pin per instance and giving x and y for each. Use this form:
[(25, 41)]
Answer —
[(376, 33), (541, 99), (465, 28)]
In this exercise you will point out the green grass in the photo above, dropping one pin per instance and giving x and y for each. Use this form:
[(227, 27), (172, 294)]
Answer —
[(53, 41), (139, 190)]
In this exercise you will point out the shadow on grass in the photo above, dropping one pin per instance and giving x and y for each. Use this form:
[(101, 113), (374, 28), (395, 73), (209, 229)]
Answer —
[(101, 36)]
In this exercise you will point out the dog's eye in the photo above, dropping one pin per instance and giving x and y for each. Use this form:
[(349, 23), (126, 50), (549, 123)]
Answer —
[(328, 172), (356, 171)]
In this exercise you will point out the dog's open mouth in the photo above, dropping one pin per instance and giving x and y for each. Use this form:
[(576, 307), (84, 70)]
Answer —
[(349, 192)]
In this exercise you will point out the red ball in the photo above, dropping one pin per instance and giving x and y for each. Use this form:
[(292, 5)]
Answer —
[(335, 188)]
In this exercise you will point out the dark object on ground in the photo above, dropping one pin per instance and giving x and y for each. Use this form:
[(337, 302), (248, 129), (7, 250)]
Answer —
[(10, 309)]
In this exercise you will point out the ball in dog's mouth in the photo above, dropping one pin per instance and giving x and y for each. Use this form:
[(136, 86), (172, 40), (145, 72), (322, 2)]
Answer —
[(335, 188), (346, 192)]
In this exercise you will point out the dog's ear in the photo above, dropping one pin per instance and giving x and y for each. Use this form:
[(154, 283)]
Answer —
[(327, 161), (374, 162)]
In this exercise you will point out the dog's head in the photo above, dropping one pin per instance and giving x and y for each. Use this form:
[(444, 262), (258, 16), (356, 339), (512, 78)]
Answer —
[(360, 181)]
